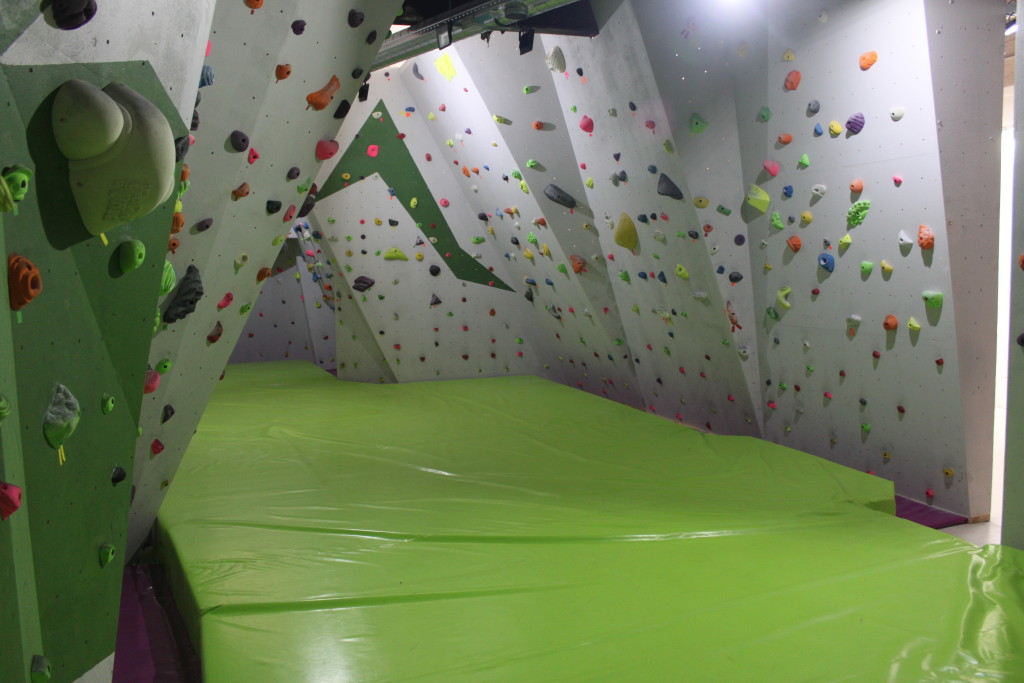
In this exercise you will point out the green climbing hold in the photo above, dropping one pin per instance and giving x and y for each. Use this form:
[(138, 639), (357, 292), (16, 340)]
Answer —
[(573, 109), (163, 366), (804, 161), (845, 241), (107, 554), (245, 308), (532, 163), (524, 187), (13, 187), (624, 275), (697, 124), (168, 279), (277, 240), (589, 182), (682, 272), (855, 216), (777, 221), (772, 313), (395, 254), (516, 174), (478, 240), (725, 211), (40, 669), (107, 404), (625, 233), (531, 238), (413, 203), (130, 255), (5, 408), (758, 198), (765, 114), (561, 268), (865, 427), (61, 417), (866, 267), (913, 324), (932, 298)]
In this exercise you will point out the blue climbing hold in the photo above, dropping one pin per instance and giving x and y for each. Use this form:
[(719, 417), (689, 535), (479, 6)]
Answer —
[(818, 130), (642, 217), (720, 270), (661, 276), (827, 261), (652, 169), (642, 275), (787, 191), (206, 76)]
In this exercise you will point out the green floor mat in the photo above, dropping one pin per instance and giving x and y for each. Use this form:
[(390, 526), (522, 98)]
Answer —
[(512, 529)]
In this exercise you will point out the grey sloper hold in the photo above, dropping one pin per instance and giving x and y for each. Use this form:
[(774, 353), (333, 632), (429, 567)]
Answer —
[(120, 151), (667, 188), (559, 196), (188, 294)]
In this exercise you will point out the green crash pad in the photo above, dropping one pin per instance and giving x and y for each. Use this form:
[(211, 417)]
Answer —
[(514, 529)]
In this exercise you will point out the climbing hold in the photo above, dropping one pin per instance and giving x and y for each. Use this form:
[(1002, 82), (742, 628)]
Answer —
[(355, 18), (765, 114), (813, 107), (787, 191), (701, 202), (855, 123), (697, 124), (189, 291), (857, 186), (735, 276), (168, 279), (776, 221), (435, 270), (325, 149), (794, 243), (804, 161), (856, 214), (758, 198), (205, 76), (782, 296), (10, 499), (61, 418), (168, 412), (579, 264), (835, 128), (555, 60), (239, 141), (867, 60), (559, 196), (905, 239), (282, 71), (925, 237), (818, 130), (103, 132), (913, 324), (240, 261), (625, 233), (225, 302), (131, 254), (263, 273), (152, 382), (240, 192), (156, 447), (289, 213), (819, 190), (395, 254), (24, 281), (13, 187), (886, 266), (273, 206), (932, 298), (772, 167), (845, 241), (866, 267), (827, 261), (806, 218), (785, 139), (319, 99), (897, 113), (890, 323), (792, 81), (72, 14), (362, 283)]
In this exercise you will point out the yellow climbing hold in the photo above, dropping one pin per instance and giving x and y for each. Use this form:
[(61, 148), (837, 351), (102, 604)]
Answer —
[(377, 221), (445, 67), (886, 266), (524, 187), (395, 254), (625, 233), (835, 128), (544, 250), (346, 176), (757, 198), (419, 256), (682, 272), (413, 203), (589, 182), (845, 241), (806, 217), (528, 254), (701, 202), (490, 230), (788, 56)]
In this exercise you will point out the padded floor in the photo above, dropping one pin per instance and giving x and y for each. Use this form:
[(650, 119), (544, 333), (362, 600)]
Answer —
[(512, 529)]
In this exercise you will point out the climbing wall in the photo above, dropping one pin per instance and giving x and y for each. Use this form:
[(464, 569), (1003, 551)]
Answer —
[(231, 233), (1013, 486)]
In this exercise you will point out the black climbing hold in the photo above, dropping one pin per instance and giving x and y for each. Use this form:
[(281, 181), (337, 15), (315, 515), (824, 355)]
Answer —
[(654, 216), (371, 38), (308, 203), (632, 107), (343, 108), (357, 72), (434, 300), (180, 148), (529, 295), (117, 475), (482, 216), (355, 18), (435, 270), (362, 283), (560, 196), (204, 225), (239, 141), (416, 71), (392, 222), (195, 120), (167, 414), (273, 206), (623, 177), (298, 27), (186, 296), (617, 156), (72, 14), (364, 92), (739, 240), (199, 98), (735, 276), (515, 240), (642, 217), (579, 71), (694, 235), (720, 270), (667, 188), (293, 173)]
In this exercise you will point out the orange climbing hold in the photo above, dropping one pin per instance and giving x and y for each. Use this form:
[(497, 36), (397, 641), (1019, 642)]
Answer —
[(23, 280), (868, 59), (795, 243), (173, 244), (283, 71), (253, 5), (785, 139), (890, 323), (925, 237), (792, 81), (537, 125), (465, 171), (857, 186), (579, 264), (263, 273), (322, 97), (186, 172), (177, 222), (240, 191)]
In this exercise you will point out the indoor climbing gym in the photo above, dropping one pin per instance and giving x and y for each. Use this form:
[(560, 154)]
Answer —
[(511, 341)]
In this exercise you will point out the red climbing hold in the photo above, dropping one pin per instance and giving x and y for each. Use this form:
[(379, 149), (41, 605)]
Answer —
[(152, 381), (10, 499), (226, 301), (587, 124), (157, 447), (325, 149)]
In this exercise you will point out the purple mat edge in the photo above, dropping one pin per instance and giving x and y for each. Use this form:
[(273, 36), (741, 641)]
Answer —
[(925, 515)]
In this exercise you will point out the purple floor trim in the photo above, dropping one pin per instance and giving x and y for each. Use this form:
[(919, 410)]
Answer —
[(926, 515)]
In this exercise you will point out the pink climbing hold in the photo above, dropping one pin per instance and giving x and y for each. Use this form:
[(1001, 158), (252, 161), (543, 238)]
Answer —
[(828, 395), (772, 167), (897, 180), (226, 301), (253, 156), (289, 214), (209, 46), (587, 124), (372, 151), (444, 203), (429, 157), (325, 149), (929, 493), (10, 499), (650, 126), (152, 381)]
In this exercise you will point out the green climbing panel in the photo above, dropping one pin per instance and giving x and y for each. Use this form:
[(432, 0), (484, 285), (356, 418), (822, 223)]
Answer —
[(90, 330), (396, 166)]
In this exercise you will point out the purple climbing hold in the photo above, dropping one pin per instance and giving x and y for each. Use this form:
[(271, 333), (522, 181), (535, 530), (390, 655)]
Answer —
[(204, 225), (355, 18), (855, 123), (293, 173), (298, 27), (72, 14), (239, 141), (362, 283)]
